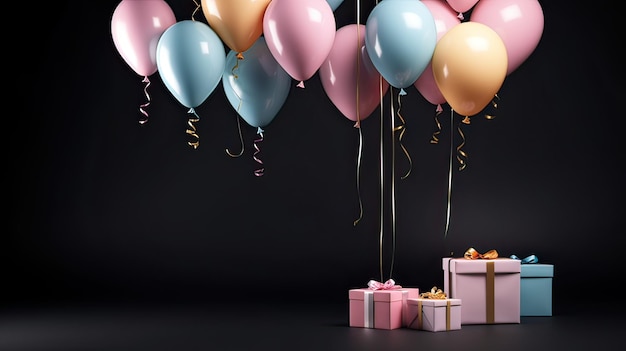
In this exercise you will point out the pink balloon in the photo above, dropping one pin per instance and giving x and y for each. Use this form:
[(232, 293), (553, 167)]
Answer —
[(518, 22), (299, 35), (340, 75), (136, 27), (445, 18), (462, 5)]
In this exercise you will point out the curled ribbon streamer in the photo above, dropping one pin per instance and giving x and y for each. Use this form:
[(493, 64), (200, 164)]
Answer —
[(462, 155), (402, 129), (434, 293), (260, 171), (472, 254), (435, 138), (494, 103), (143, 106), (192, 128), (195, 10), (358, 178), (236, 67), (526, 260), (240, 135), (389, 284)]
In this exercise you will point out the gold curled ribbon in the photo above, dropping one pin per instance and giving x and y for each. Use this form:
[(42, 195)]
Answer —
[(195, 10), (462, 155), (435, 137), (494, 104), (192, 128), (472, 254), (434, 293), (402, 129)]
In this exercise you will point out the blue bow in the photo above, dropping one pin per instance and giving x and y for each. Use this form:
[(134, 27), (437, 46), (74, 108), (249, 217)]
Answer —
[(527, 259)]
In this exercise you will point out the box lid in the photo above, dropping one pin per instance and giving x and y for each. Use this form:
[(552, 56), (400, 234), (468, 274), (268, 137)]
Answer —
[(537, 270), (434, 302), (466, 266), (359, 294), (388, 295)]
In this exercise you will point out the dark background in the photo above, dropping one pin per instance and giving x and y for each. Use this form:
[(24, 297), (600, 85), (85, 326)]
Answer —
[(102, 208)]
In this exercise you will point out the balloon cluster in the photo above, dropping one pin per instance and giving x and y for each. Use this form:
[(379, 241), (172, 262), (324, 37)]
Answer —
[(424, 43)]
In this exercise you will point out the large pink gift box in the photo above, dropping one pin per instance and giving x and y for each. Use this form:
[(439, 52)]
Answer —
[(379, 309), (434, 314), (488, 288)]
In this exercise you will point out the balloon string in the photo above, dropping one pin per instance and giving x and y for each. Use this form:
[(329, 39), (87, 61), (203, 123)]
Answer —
[(240, 136), (142, 107), (402, 130), (358, 121), (393, 185), (435, 138), (260, 171), (358, 177), (192, 128), (450, 173), (195, 10), (462, 155), (382, 178), (236, 66), (494, 103)]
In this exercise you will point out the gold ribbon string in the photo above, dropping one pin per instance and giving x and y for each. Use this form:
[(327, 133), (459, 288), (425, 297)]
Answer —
[(402, 129), (462, 155), (192, 128), (450, 171), (240, 135), (393, 186), (195, 10), (494, 104), (142, 107), (435, 137), (472, 254), (358, 114)]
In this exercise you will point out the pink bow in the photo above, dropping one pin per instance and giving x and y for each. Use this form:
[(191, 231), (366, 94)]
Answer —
[(388, 285)]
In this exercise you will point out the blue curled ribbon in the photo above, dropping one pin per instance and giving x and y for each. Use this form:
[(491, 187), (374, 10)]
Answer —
[(527, 259)]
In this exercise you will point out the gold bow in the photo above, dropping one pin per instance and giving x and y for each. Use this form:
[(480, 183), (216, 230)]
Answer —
[(472, 254), (434, 293)]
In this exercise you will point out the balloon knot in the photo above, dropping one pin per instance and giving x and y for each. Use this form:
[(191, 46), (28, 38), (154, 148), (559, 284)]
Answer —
[(301, 84), (439, 108), (259, 130), (239, 56), (402, 92), (460, 16)]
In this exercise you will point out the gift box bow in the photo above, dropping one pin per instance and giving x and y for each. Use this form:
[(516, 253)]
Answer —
[(527, 260), (472, 254), (434, 293), (390, 284)]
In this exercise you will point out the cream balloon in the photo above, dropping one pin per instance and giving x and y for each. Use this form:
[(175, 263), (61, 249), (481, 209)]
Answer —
[(469, 64)]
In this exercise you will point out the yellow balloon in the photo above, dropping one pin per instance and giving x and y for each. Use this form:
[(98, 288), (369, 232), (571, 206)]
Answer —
[(239, 23), (469, 66)]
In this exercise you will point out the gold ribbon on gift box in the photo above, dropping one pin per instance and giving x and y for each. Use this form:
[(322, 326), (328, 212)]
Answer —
[(472, 254), (434, 294)]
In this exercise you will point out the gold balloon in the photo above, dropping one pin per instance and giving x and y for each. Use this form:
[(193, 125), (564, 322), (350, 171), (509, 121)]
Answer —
[(469, 65), (239, 23)]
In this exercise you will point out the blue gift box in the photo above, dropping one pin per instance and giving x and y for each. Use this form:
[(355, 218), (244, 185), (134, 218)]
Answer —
[(536, 289)]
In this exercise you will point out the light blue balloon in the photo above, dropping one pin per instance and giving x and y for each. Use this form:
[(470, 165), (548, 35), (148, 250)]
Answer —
[(334, 3), (400, 38), (256, 86), (190, 59)]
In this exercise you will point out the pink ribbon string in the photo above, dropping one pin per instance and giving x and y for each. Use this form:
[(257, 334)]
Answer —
[(260, 171), (143, 106), (390, 284)]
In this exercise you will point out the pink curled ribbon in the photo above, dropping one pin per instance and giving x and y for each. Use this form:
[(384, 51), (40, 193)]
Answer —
[(388, 285)]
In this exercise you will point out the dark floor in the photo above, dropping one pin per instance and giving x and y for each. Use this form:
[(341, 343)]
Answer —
[(254, 325)]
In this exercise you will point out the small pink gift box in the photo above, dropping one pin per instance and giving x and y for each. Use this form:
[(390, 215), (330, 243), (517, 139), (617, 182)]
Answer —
[(380, 309), (489, 289), (434, 314)]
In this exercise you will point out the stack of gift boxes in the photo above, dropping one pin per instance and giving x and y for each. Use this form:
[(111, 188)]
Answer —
[(478, 289)]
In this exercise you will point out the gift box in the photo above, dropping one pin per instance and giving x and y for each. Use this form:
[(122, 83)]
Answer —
[(536, 289), (379, 309), (489, 288), (434, 314)]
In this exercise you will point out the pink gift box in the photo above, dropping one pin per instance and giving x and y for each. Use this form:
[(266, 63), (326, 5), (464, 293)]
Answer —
[(379, 309), (489, 289), (434, 314)]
